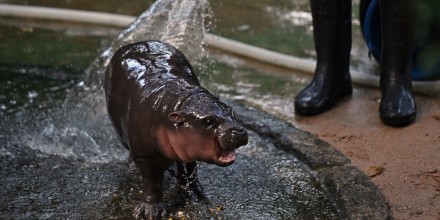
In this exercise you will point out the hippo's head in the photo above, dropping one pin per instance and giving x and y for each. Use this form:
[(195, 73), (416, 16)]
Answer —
[(208, 129)]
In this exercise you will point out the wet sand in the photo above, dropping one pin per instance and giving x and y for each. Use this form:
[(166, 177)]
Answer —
[(410, 155)]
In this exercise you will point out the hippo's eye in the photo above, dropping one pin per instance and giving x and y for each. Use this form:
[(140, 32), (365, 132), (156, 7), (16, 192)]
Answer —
[(208, 121)]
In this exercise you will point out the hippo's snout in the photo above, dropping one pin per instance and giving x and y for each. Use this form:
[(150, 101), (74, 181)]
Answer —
[(230, 139), (233, 138), (239, 136)]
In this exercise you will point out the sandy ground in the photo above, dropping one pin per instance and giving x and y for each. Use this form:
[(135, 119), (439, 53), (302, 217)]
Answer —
[(410, 156)]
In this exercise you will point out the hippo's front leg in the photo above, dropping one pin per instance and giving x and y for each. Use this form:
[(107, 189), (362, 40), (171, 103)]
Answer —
[(152, 173), (188, 183)]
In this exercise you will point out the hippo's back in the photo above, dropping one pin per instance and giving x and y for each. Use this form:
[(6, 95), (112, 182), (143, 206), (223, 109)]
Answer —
[(143, 77), (148, 63)]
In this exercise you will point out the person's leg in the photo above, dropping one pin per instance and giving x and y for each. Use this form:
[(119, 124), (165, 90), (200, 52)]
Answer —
[(398, 23), (332, 36)]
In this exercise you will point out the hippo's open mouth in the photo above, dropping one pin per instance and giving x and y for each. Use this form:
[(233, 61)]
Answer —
[(226, 156)]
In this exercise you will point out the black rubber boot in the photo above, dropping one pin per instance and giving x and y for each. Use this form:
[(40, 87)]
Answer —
[(332, 36), (398, 23)]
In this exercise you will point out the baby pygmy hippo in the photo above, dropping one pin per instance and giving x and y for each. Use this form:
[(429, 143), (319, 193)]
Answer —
[(163, 115)]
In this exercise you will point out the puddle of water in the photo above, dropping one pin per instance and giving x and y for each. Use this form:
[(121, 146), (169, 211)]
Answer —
[(254, 187), (264, 183), (267, 183)]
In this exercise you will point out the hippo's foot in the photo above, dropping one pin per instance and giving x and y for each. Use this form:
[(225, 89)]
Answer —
[(149, 211), (189, 188), (192, 193), (192, 196)]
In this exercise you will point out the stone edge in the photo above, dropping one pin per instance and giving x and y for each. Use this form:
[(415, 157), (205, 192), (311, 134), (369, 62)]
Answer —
[(354, 193)]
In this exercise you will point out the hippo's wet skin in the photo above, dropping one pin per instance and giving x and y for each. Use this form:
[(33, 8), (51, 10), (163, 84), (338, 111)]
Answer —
[(162, 115)]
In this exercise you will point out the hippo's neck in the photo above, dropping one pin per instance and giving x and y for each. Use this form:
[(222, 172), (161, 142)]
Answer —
[(199, 101), (170, 97), (184, 100)]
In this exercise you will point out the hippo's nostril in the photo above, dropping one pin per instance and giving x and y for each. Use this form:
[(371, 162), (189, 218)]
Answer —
[(237, 132), (239, 136)]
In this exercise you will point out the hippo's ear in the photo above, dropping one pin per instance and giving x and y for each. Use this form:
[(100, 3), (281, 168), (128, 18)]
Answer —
[(178, 117)]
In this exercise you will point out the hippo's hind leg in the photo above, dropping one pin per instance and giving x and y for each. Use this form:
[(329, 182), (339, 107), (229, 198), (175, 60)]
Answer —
[(152, 177), (188, 184)]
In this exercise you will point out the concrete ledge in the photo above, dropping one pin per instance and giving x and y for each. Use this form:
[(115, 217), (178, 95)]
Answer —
[(355, 195)]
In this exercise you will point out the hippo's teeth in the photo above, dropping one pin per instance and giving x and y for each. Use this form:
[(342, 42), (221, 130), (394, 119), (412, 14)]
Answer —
[(227, 156)]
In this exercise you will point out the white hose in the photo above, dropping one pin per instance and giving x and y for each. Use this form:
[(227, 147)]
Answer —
[(232, 46), (70, 15)]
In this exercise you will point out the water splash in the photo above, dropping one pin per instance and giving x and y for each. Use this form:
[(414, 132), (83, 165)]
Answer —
[(177, 22), (82, 130)]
